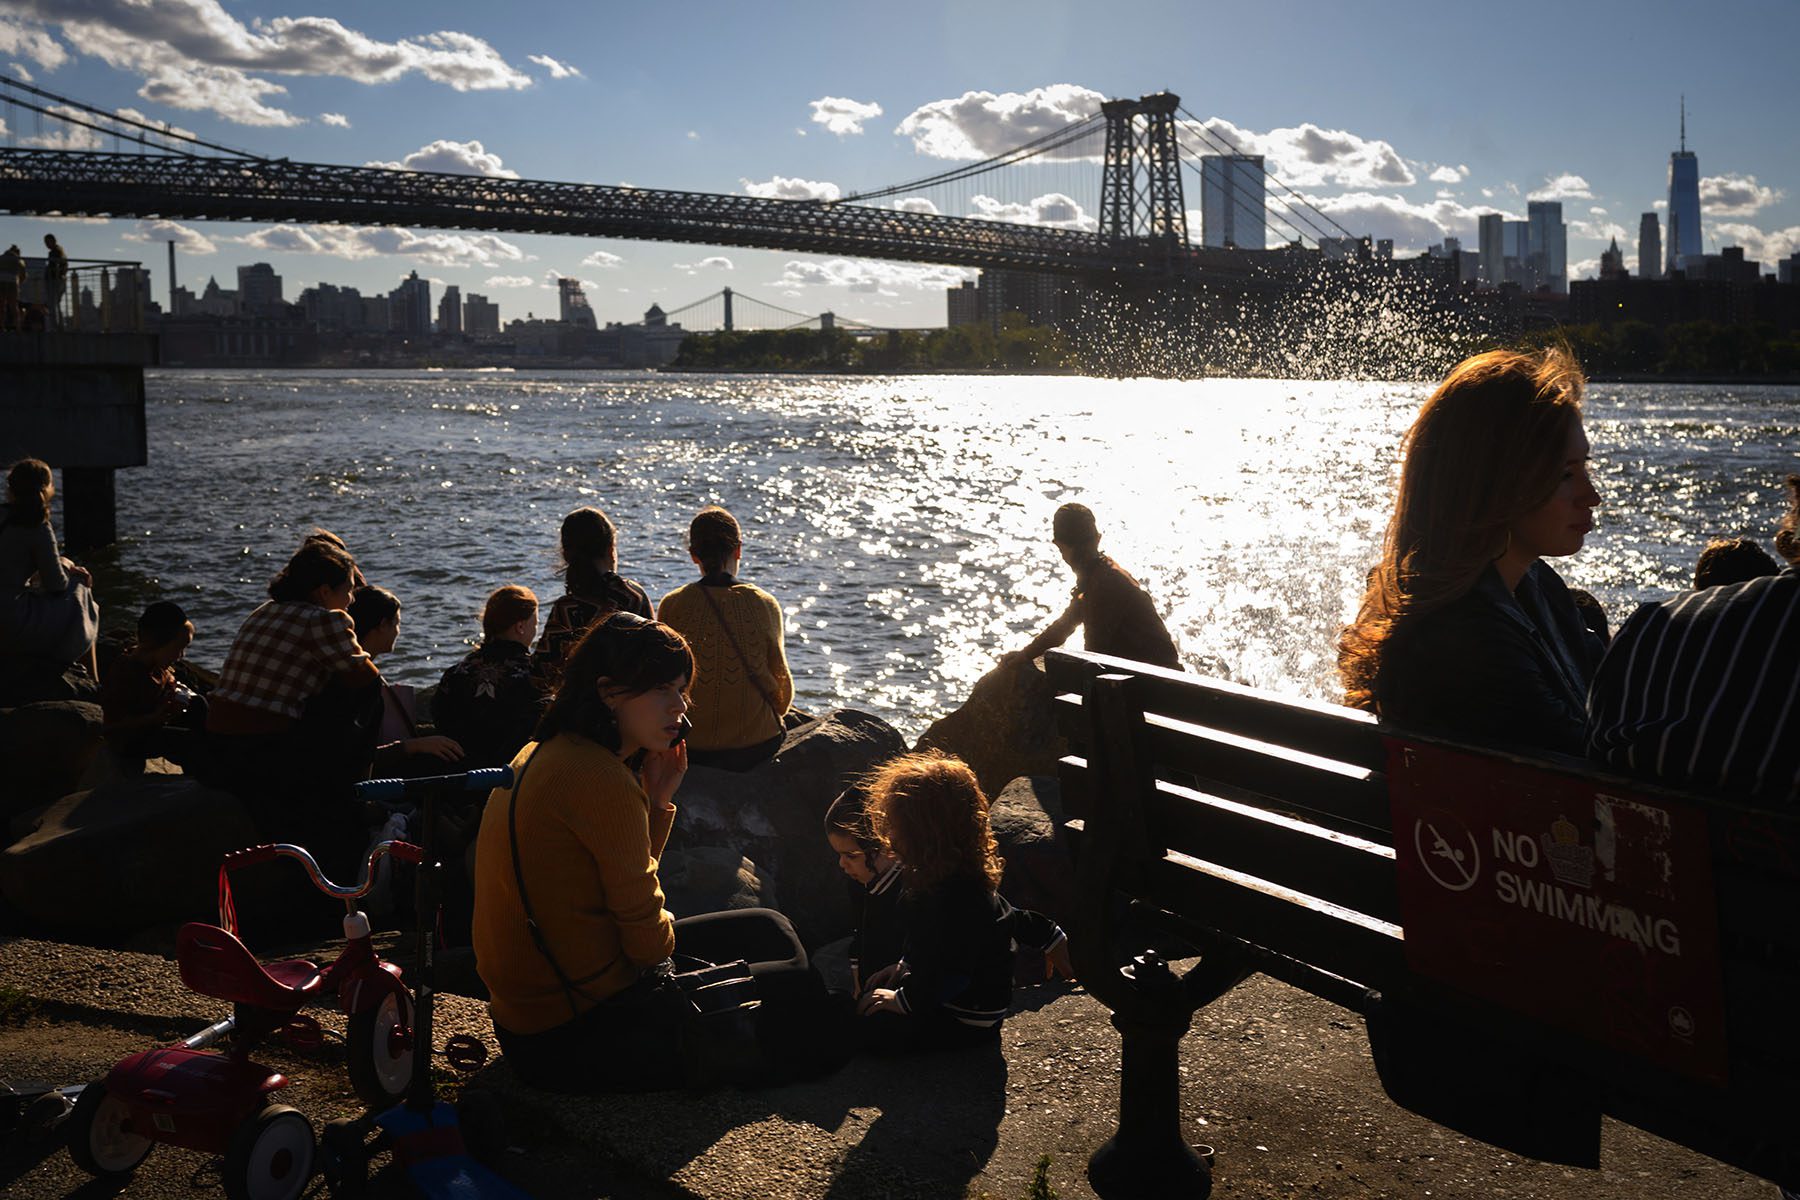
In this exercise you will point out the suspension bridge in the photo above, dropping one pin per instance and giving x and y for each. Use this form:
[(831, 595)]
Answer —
[(727, 310), (1038, 207)]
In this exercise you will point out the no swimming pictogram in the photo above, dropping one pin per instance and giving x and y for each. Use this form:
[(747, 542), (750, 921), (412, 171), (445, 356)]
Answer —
[(1448, 851)]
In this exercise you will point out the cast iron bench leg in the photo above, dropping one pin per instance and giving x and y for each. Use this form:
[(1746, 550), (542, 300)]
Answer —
[(1148, 1156)]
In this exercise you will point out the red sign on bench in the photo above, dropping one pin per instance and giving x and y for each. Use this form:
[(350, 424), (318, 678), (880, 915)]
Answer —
[(1583, 906)]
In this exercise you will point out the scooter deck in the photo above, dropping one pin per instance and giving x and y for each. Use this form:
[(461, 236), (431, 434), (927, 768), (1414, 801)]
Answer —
[(429, 1146)]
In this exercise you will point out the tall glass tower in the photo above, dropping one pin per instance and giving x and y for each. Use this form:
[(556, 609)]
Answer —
[(1684, 201), (1232, 211)]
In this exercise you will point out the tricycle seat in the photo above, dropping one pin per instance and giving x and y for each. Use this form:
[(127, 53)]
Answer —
[(215, 963)]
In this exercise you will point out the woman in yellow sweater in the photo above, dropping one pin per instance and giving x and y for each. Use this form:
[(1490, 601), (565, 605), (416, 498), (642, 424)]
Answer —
[(742, 686), (571, 934)]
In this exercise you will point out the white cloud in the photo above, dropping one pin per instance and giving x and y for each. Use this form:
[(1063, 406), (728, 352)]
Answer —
[(1411, 224), (193, 54), (1053, 209), (783, 188), (1487, 193), (62, 136), (373, 241), (558, 70), (1587, 268), (916, 204), (602, 259), (842, 116), (867, 277), (1736, 195), (1597, 211), (452, 158), (1764, 246), (27, 40), (337, 119), (1566, 186), (713, 262), (20, 72), (188, 241), (157, 122), (979, 125), (1307, 155), (509, 281), (1659, 204), (693, 135), (1449, 174)]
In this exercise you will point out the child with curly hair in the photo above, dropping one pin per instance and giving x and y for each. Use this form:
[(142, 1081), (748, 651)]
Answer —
[(953, 984)]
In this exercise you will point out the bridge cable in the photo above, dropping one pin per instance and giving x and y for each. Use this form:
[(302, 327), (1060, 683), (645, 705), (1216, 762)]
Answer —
[(1284, 214), (1054, 140), (1319, 231), (1221, 139), (146, 126)]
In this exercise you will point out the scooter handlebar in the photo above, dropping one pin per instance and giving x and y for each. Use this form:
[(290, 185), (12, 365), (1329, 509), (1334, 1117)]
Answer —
[(484, 780)]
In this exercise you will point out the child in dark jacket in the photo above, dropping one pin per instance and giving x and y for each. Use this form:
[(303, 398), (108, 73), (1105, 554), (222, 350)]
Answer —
[(148, 713), (952, 985)]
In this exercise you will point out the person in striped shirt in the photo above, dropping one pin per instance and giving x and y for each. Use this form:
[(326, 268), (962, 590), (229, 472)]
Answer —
[(1702, 690)]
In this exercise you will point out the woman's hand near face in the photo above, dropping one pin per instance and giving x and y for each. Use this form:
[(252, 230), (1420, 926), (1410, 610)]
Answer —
[(878, 1000), (663, 772)]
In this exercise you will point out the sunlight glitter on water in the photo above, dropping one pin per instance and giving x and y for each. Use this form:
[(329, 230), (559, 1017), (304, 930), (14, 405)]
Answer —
[(903, 522)]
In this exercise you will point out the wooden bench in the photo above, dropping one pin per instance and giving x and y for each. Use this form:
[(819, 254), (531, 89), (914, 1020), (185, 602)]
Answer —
[(1532, 942)]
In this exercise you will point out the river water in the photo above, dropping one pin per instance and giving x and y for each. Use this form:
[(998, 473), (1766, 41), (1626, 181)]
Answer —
[(903, 522)]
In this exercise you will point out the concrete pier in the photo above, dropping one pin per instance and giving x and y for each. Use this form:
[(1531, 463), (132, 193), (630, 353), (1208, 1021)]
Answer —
[(76, 400)]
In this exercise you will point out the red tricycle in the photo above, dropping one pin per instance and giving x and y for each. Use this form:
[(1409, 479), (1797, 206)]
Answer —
[(222, 1102)]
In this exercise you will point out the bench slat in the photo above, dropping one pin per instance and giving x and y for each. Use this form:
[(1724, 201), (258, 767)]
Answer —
[(1235, 831), (1328, 730)]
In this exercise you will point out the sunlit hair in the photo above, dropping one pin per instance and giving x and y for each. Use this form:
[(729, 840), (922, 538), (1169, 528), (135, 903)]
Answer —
[(1487, 448), (507, 607), (713, 537), (327, 538), (1731, 560), (1787, 534), (315, 565), (29, 487), (929, 810), (636, 655), (587, 537)]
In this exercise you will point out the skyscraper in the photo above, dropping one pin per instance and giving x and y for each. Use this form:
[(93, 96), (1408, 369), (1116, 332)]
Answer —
[(409, 306), (575, 309), (450, 317), (259, 289), (1232, 210), (1548, 249), (1649, 247), (1493, 253), (1684, 200)]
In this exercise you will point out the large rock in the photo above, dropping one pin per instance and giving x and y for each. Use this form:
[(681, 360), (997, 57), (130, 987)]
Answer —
[(773, 816), (1027, 819), (133, 853), (47, 748), (27, 680), (1006, 728)]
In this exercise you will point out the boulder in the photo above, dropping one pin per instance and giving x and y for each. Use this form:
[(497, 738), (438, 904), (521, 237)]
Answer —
[(130, 854), (760, 833), (47, 748), (25, 680), (1027, 818), (1006, 728)]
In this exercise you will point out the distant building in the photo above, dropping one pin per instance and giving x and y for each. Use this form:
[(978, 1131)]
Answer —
[(1650, 264), (1612, 262), (1515, 256), (575, 310), (259, 290), (1549, 245), (126, 297), (1493, 255), (334, 309), (1684, 201), (450, 322), (378, 314), (1788, 269), (1345, 249), (1232, 208), (964, 302), (409, 307), (1727, 266), (181, 301), (215, 301), (481, 318), (1384, 249)]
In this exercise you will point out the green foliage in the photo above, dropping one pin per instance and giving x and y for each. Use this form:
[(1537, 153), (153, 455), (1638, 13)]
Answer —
[(1695, 348), (1016, 347), (1040, 1188)]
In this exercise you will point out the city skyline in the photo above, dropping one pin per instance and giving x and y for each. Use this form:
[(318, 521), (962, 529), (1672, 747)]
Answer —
[(548, 94)]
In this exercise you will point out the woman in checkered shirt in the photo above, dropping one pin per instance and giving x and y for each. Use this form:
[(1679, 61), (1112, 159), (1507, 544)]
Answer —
[(285, 653)]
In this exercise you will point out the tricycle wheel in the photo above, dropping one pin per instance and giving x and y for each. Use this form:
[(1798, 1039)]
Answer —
[(101, 1140), (378, 1050), (343, 1160), (271, 1156)]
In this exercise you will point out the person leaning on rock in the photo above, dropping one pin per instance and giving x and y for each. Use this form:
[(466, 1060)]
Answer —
[(1113, 609)]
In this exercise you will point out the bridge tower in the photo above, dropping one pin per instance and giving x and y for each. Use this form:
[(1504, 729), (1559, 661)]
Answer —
[(725, 294), (1140, 183)]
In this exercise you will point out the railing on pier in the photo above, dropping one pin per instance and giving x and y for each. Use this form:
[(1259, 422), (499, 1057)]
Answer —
[(99, 295)]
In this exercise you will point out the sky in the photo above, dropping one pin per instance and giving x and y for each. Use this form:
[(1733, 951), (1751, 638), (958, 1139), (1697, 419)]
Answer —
[(1398, 118)]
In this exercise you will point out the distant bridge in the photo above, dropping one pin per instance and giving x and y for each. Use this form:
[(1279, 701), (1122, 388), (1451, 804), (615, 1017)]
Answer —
[(1140, 226)]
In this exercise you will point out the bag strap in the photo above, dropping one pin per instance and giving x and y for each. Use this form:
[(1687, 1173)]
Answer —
[(570, 988), (731, 637)]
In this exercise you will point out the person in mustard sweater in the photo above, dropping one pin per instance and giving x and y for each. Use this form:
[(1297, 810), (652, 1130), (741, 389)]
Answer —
[(571, 933), (742, 686)]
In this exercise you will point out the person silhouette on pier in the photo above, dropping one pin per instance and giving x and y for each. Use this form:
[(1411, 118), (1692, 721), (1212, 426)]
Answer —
[(1114, 610), (56, 278)]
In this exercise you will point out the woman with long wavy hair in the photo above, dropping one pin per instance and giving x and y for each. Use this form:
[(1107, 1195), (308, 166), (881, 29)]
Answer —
[(1463, 630)]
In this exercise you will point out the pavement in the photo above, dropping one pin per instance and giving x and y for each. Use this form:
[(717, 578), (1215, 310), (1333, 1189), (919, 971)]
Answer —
[(1279, 1082)]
